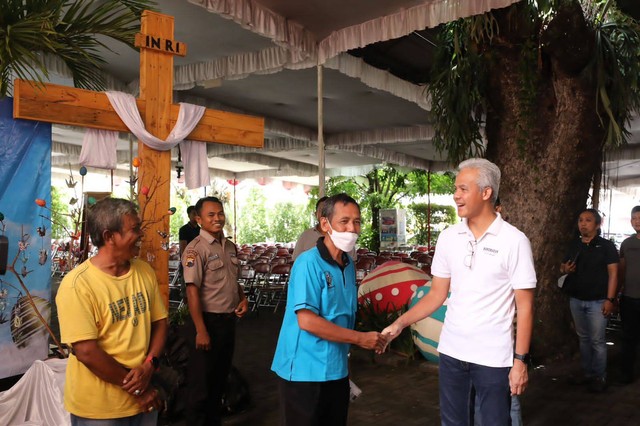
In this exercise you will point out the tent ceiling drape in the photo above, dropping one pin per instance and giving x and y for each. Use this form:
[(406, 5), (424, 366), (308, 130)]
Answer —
[(259, 57)]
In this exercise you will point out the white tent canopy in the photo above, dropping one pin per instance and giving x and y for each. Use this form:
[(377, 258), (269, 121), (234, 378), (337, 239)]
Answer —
[(259, 57)]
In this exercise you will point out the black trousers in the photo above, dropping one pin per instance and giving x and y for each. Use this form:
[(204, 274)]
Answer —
[(314, 403), (207, 371), (630, 315)]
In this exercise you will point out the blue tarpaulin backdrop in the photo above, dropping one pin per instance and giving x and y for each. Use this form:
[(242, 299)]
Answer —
[(25, 175)]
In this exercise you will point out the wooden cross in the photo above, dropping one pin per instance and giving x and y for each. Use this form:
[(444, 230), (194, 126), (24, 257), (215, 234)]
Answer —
[(84, 108)]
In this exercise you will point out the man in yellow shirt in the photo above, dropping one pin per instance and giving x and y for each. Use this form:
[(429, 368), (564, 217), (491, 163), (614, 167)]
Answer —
[(111, 313)]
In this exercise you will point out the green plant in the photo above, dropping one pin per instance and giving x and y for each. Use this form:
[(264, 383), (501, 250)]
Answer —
[(616, 68), (287, 221), (67, 29), (459, 89), (252, 219), (440, 217), (370, 318), (179, 315), (384, 187), (60, 220)]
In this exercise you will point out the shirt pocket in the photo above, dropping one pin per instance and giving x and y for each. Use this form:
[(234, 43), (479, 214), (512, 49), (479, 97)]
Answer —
[(215, 269)]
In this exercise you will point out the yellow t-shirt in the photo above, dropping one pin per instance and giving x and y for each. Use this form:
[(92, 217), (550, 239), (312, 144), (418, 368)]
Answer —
[(117, 312)]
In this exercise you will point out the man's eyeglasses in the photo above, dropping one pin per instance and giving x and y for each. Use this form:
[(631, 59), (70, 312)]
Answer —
[(471, 250)]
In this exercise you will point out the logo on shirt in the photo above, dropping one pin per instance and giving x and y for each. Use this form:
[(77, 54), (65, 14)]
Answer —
[(489, 251), (329, 279), (189, 259), (127, 307)]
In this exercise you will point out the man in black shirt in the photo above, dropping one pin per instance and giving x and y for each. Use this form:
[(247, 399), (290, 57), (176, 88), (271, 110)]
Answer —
[(592, 267), (189, 230)]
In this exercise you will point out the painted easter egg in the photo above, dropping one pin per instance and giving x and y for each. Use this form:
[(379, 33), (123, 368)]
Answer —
[(426, 332), (391, 285)]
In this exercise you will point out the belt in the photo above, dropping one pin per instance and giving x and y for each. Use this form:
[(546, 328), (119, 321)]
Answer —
[(227, 315)]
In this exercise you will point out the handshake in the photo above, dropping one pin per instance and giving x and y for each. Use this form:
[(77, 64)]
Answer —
[(379, 341)]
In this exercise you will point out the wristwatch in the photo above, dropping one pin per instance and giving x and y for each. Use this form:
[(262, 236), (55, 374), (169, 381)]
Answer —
[(611, 299), (526, 358), (155, 362)]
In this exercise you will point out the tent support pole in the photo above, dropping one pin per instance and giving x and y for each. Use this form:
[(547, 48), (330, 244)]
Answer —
[(321, 163)]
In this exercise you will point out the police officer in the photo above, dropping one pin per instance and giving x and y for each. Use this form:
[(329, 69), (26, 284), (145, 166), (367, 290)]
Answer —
[(215, 300)]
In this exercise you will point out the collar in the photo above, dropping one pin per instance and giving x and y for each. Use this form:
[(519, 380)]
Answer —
[(210, 238), (594, 241), (493, 229), (324, 254)]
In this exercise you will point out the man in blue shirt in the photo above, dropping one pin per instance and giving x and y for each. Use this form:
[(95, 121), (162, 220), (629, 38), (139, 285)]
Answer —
[(317, 330)]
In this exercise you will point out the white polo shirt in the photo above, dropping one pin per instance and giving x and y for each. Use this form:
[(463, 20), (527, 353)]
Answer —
[(478, 326)]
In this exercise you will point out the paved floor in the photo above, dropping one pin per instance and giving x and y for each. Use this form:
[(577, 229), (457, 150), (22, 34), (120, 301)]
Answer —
[(400, 392)]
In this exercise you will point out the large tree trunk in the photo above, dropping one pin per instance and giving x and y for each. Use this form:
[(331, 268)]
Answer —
[(548, 155)]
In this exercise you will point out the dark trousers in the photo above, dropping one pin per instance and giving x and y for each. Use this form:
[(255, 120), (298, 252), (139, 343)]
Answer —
[(207, 371), (314, 403), (630, 315), (458, 379)]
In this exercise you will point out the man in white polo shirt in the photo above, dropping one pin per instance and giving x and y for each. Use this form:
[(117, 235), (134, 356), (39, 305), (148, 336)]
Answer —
[(487, 265)]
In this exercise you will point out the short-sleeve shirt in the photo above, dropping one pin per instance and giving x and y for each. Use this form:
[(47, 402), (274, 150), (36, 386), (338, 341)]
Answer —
[(483, 274), (117, 312), (307, 240), (319, 284), (188, 233), (212, 266), (630, 251), (590, 281)]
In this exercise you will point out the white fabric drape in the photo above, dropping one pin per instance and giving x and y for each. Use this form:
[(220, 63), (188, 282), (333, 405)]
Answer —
[(126, 108), (430, 14), (379, 79), (382, 136), (188, 117), (305, 47), (37, 397), (192, 154), (99, 149)]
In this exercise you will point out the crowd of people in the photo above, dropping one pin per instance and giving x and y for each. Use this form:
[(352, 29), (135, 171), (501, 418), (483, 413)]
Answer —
[(112, 316)]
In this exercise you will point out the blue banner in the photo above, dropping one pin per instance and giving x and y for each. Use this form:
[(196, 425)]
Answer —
[(25, 197)]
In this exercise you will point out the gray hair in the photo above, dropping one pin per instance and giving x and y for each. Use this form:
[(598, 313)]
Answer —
[(488, 174), (106, 215), (329, 204)]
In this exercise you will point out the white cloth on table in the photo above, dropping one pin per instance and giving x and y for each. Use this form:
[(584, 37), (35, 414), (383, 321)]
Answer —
[(37, 398)]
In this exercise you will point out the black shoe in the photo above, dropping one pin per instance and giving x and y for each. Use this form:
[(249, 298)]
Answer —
[(598, 385), (580, 380)]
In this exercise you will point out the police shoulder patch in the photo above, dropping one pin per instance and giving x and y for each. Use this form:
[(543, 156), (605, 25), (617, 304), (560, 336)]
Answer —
[(189, 258)]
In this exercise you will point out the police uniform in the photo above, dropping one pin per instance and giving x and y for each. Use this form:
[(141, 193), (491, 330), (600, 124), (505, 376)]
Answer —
[(212, 266)]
